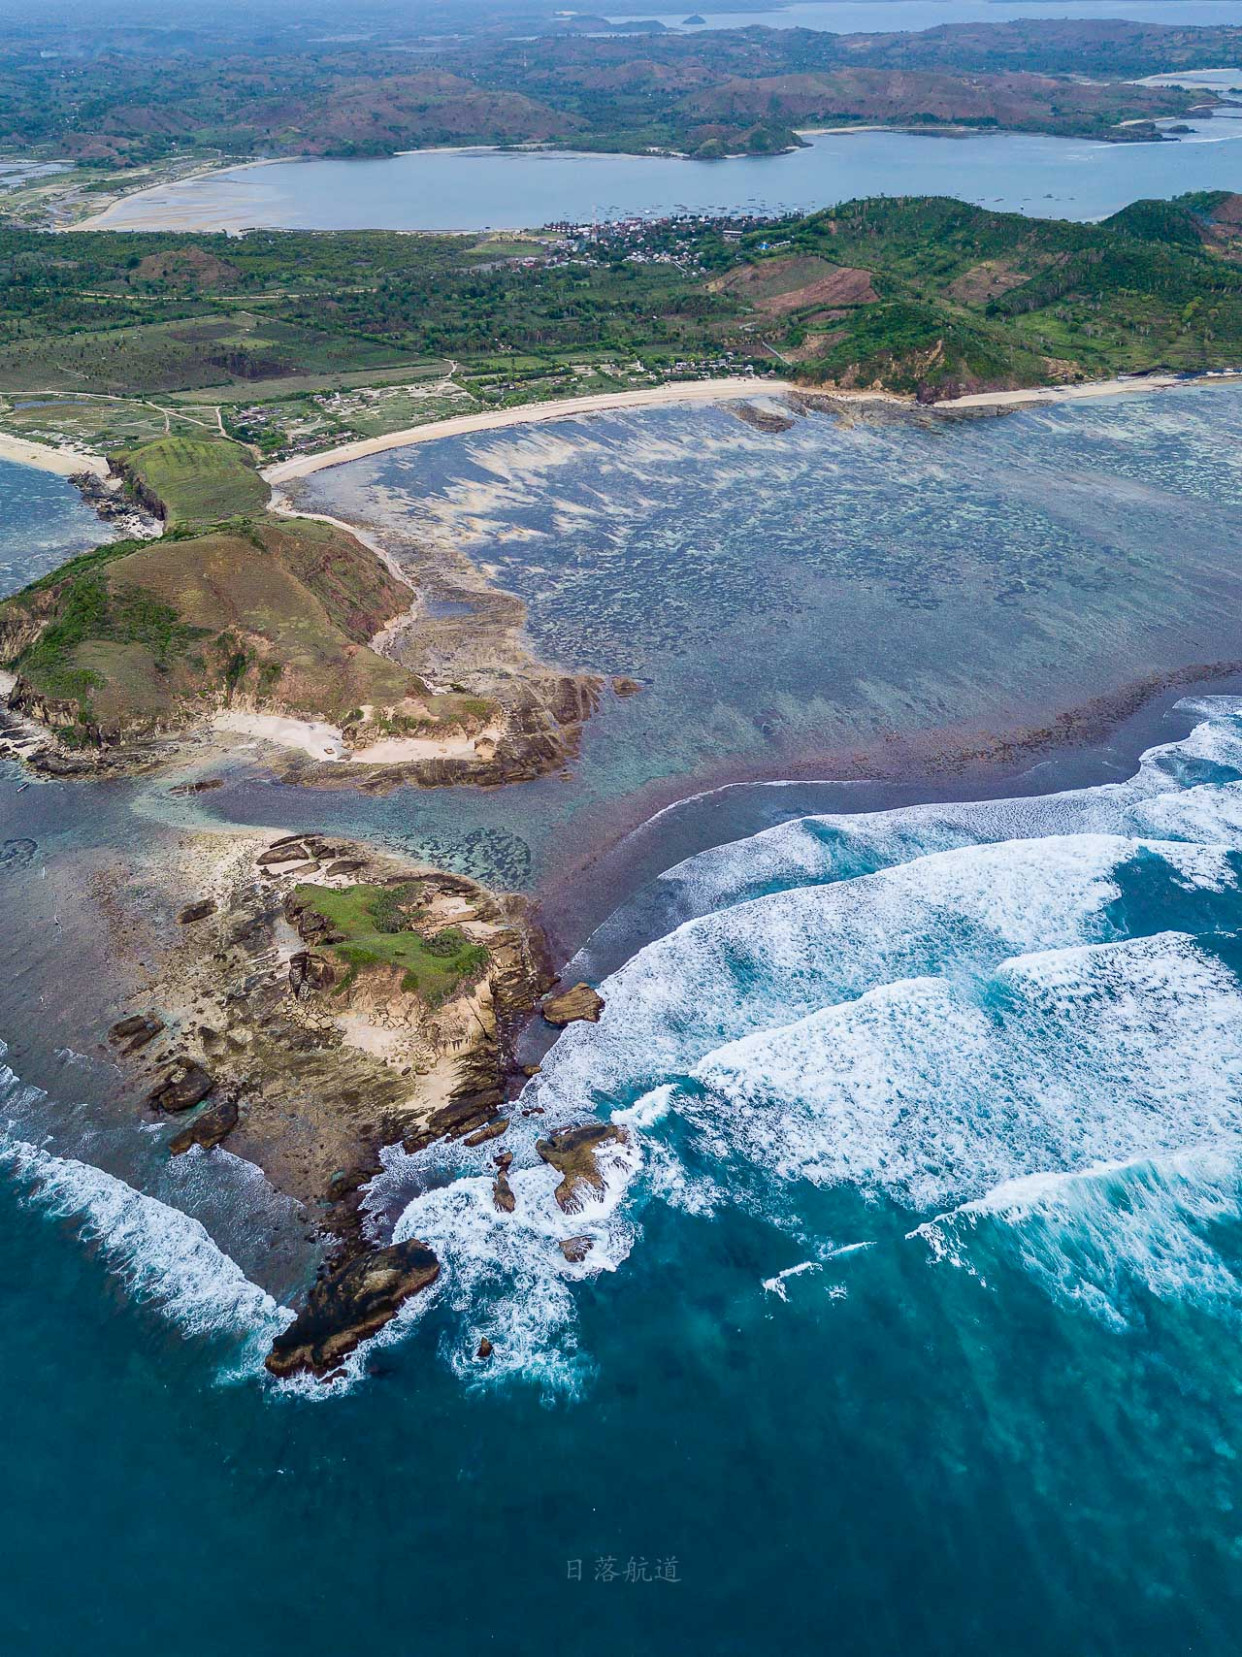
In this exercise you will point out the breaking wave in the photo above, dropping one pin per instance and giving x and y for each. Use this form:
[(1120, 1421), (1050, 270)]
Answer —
[(166, 1260), (1001, 1037), (1016, 1019)]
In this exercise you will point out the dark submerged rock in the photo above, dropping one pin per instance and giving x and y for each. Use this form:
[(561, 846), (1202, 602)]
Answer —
[(197, 911), (350, 1305)]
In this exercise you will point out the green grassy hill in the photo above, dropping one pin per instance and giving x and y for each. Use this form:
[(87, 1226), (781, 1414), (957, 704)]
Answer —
[(189, 480), (137, 637)]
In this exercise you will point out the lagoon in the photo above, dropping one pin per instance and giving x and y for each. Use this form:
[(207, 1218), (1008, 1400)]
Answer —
[(479, 189)]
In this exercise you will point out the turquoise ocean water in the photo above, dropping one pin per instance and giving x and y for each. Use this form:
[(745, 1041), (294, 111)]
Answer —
[(911, 1316), (911, 1320)]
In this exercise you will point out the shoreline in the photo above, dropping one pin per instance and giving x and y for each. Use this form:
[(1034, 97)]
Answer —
[(462, 425), (44, 458), (714, 391)]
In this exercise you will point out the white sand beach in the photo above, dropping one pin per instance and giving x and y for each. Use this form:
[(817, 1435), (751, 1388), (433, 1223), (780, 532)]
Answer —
[(703, 391), (460, 425), (62, 461)]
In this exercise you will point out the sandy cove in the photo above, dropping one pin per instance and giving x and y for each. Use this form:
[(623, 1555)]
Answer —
[(66, 463)]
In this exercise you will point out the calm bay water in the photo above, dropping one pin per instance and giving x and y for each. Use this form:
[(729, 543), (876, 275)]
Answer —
[(910, 1317), (885, 16), (478, 189)]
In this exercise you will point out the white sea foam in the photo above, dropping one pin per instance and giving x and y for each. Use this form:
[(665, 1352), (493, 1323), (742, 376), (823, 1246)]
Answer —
[(1104, 1237), (763, 964), (504, 1275), (943, 1010), (166, 1260), (832, 847), (932, 1090)]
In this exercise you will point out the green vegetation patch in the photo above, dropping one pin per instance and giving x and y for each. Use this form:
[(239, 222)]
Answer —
[(197, 480), (376, 926), (91, 611)]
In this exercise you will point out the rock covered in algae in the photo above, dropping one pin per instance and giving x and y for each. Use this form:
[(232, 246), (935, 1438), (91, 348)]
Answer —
[(349, 1305)]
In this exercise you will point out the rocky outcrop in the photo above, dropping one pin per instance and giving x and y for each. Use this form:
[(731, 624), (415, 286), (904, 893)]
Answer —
[(136, 1032), (351, 1304), (207, 1129), (581, 1003), (197, 911), (492, 1130), (623, 685), (187, 1084), (572, 1152), (502, 1193), (116, 507), (576, 1249), (310, 973)]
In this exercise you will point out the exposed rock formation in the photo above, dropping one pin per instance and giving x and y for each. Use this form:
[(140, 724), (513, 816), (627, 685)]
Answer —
[(352, 1303), (572, 1152), (187, 1084), (132, 1034), (570, 1006), (502, 1193), (197, 911), (207, 1129)]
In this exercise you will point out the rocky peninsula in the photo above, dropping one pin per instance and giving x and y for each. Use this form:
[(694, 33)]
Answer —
[(250, 619), (309, 1001)]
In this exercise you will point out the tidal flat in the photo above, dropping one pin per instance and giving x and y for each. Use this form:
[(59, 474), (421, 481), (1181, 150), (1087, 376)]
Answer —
[(887, 595)]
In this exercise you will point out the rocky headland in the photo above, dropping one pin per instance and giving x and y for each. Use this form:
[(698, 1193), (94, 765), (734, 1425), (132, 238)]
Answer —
[(307, 1002)]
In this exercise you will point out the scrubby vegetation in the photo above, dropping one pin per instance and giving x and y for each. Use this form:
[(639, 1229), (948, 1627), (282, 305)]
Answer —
[(143, 635), (388, 926)]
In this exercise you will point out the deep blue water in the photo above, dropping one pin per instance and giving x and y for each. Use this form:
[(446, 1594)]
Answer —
[(911, 1320)]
